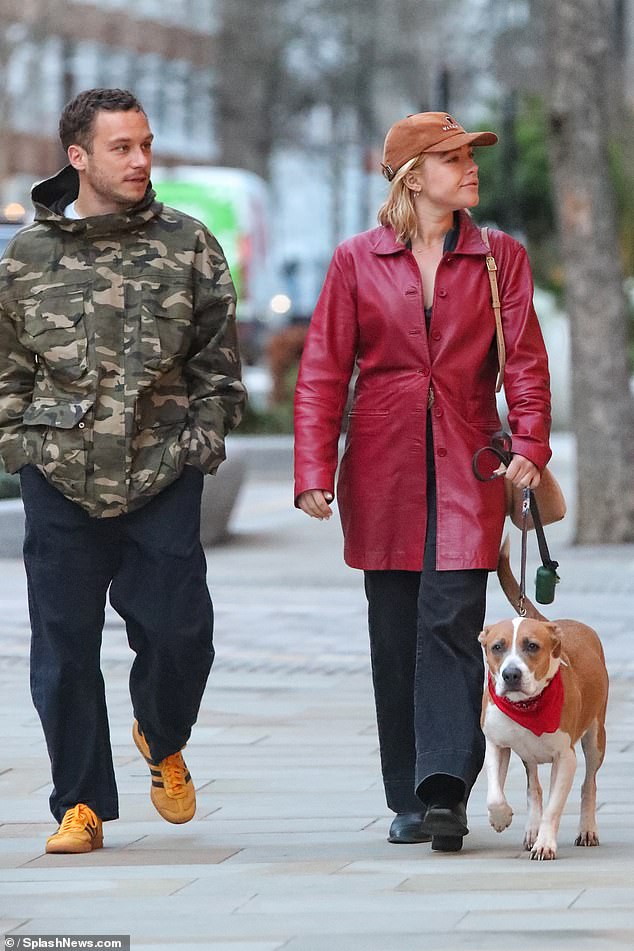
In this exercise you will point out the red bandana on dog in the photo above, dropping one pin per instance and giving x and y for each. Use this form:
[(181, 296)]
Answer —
[(540, 714)]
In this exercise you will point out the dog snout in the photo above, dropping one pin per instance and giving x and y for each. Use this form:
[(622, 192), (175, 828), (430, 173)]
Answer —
[(512, 676)]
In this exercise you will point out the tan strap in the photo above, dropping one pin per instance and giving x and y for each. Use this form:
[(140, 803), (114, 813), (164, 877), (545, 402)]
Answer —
[(497, 309)]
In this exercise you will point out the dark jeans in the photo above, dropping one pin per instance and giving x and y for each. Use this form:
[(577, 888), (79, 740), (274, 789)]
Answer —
[(427, 670), (153, 563)]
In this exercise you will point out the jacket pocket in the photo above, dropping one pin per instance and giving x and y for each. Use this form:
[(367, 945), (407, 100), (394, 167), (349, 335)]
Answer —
[(60, 414), (482, 412), (55, 329), (166, 323), (158, 456), (56, 438), (159, 444)]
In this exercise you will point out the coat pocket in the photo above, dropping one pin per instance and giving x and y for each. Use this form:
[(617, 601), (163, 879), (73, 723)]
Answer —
[(55, 329), (159, 444), (56, 441), (166, 323)]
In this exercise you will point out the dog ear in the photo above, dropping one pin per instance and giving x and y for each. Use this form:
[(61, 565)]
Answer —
[(555, 640), (482, 636)]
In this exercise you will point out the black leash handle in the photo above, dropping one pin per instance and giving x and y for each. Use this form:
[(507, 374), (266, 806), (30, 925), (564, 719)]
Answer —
[(500, 447)]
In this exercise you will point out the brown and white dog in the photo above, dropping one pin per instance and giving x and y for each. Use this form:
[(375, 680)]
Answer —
[(547, 688)]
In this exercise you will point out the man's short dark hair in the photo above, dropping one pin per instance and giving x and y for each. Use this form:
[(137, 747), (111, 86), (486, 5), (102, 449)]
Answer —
[(76, 124)]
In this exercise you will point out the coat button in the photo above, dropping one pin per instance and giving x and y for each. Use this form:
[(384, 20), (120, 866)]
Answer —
[(442, 452), (436, 335), (442, 292), (438, 412)]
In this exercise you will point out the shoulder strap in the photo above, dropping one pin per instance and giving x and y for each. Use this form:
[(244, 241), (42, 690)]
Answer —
[(497, 309)]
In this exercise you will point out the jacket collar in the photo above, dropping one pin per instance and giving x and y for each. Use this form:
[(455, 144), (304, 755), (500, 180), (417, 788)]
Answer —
[(51, 197), (384, 241)]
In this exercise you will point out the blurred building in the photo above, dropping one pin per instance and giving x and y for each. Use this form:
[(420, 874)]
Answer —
[(52, 49)]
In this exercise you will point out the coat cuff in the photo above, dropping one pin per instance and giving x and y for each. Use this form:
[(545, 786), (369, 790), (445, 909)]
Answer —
[(315, 479), (537, 453)]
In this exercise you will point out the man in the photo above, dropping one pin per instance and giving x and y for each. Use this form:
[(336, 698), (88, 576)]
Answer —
[(119, 378)]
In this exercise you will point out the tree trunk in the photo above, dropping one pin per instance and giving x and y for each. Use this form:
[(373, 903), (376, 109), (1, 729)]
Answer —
[(580, 42), (248, 74)]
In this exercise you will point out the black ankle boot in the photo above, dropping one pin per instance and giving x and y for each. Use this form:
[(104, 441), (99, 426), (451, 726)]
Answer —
[(446, 822), (446, 843), (406, 829)]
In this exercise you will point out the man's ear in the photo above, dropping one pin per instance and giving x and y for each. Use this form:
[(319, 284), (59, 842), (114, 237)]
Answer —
[(77, 157)]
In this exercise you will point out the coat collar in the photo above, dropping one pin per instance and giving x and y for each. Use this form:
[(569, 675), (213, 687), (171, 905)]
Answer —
[(384, 241)]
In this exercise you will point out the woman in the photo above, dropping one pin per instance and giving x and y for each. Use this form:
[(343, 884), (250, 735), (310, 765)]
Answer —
[(409, 303)]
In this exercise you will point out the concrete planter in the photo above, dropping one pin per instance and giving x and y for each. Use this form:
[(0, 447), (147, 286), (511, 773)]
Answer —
[(220, 492), (11, 528)]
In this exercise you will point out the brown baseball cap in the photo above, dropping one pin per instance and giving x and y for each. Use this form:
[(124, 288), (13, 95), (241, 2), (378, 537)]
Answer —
[(426, 132)]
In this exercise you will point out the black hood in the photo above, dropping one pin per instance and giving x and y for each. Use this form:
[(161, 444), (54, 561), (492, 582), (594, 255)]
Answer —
[(52, 196)]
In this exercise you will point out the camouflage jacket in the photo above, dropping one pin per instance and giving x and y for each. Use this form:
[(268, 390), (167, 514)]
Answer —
[(118, 355)]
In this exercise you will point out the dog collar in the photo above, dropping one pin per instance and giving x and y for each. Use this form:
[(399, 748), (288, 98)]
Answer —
[(540, 714)]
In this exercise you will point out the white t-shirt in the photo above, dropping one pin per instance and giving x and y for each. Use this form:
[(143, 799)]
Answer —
[(71, 212)]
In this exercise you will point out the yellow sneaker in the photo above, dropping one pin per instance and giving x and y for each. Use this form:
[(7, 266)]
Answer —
[(172, 790), (80, 831)]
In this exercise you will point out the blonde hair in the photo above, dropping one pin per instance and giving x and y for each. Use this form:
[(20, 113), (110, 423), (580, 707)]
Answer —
[(398, 211)]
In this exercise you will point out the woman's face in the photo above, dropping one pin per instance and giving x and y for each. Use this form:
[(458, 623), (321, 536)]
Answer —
[(449, 180)]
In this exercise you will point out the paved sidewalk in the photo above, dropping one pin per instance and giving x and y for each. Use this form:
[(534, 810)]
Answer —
[(288, 850)]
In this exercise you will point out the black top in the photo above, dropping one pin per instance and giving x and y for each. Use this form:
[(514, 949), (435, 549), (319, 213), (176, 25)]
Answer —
[(451, 240)]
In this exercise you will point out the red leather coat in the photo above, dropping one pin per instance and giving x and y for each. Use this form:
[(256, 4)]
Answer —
[(371, 312)]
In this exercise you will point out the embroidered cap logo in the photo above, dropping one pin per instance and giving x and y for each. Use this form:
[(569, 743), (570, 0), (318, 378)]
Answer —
[(451, 124)]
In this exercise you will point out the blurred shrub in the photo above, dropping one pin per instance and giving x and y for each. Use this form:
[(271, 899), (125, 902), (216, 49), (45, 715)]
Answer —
[(621, 153), (516, 190), (283, 350), (9, 484), (274, 421)]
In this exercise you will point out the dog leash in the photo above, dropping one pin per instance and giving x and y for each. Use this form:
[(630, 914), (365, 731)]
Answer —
[(546, 578), (526, 504)]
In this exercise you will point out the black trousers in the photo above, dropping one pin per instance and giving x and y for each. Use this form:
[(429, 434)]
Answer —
[(427, 670), (152, 562)]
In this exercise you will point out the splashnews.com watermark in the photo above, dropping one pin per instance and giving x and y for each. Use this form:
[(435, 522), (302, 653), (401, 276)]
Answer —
[(112, 942)]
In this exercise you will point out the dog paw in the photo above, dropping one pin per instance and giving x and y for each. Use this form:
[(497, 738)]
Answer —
[(587, 837), (544, 851), (530, 838), (500, 816)]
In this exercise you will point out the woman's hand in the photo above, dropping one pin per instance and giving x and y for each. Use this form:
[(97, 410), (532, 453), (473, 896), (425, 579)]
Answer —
[(315, 503), (523, 473)]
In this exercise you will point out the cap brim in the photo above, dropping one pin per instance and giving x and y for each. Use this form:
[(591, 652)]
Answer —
[(464, 138)]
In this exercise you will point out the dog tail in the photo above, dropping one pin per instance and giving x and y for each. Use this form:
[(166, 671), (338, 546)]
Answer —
[(509, 585)]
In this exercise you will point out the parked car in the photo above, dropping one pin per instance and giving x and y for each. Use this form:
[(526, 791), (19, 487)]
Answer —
[(8, 227)]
